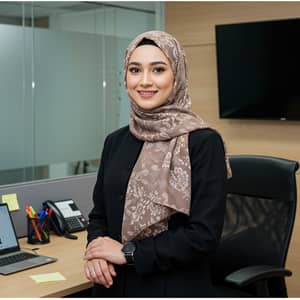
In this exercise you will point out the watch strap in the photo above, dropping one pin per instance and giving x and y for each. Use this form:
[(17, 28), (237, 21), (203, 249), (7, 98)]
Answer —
[(128, 250)]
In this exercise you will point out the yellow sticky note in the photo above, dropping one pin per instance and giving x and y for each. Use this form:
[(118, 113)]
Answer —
[(12, 201), (47, 277)]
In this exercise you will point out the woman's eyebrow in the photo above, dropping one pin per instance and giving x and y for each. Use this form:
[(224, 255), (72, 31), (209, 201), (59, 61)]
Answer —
[(152, 63)]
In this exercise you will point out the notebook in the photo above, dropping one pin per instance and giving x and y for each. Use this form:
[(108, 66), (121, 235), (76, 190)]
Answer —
[(12, 258)]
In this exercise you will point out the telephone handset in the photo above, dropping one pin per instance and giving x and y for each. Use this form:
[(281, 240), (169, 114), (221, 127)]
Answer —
[(66, 217)]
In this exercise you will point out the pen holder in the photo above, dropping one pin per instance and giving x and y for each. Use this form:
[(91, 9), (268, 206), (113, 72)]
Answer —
[(38, 230)]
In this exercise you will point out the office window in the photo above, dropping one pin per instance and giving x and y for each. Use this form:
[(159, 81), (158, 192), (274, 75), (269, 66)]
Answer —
[(62, 82)]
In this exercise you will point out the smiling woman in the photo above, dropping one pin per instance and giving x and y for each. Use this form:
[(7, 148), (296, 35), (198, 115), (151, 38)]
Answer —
[(159, 198)]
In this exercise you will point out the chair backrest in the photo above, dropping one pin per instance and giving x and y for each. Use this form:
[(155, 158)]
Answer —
[(260, 213)]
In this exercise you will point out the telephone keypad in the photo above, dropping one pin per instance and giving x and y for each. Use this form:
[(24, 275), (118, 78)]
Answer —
[(74, 224)]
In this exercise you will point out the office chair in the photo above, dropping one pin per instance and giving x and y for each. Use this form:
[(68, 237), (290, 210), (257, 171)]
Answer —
[(260, 213)]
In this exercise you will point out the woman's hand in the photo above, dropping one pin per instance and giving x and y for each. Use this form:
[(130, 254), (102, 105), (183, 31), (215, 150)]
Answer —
[(105, 248), (99, 271)]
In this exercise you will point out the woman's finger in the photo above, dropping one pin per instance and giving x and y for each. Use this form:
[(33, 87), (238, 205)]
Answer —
[(87, 271), (112, 269), (95, 272), (99, 273), (106, 272), (91, 253)]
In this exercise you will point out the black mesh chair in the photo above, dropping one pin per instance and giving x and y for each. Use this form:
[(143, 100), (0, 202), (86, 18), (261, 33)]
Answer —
[(260, 213)]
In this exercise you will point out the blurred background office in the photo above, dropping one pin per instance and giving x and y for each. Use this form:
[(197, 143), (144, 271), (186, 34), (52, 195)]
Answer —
[(61, 82)]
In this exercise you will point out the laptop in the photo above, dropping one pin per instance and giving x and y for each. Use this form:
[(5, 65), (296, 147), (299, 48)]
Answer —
[(12, 258)]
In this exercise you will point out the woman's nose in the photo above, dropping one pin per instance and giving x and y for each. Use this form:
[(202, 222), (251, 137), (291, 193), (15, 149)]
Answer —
[(146, 79)]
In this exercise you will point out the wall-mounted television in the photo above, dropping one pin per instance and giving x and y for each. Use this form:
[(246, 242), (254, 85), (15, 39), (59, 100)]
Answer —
[(258, 66)]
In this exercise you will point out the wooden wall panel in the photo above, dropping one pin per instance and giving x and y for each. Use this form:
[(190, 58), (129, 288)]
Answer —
[(193, 24)]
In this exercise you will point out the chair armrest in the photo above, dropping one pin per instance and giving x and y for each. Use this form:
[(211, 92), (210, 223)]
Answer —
[(248, 275)]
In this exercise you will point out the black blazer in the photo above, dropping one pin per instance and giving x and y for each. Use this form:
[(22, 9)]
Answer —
[(175, 262)]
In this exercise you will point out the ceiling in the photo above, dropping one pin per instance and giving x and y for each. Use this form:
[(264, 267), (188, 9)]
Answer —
[(47, 8)]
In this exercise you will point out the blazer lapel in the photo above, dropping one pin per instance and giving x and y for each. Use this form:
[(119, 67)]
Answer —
[(126, 157)]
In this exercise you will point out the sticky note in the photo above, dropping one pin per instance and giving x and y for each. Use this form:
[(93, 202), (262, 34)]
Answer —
[(47, 277), (12, 201)]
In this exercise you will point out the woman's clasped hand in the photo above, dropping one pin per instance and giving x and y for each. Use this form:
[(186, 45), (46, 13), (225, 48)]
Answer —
[(100, 256)]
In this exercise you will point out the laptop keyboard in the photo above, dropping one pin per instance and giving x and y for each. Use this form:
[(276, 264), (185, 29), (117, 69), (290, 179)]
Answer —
[(15, 258)]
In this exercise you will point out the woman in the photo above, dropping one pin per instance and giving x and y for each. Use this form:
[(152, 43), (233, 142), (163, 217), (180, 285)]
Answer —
[(159, 196)]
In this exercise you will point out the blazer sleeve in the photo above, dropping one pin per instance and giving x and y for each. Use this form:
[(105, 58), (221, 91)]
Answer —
[(97, 219), (190, 243)]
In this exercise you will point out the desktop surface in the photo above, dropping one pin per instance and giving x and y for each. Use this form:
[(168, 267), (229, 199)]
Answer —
[(70, 264)]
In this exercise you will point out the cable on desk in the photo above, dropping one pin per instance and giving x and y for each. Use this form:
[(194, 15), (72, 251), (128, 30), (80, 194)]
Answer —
[(34, 250)]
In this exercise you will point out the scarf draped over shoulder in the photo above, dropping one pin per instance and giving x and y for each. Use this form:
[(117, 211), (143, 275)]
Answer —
[(160, 183)]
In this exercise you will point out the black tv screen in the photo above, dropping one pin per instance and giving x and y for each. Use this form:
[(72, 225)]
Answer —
[(258, 67)]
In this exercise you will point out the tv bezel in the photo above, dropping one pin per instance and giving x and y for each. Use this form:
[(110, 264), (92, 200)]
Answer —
[(242, 117)]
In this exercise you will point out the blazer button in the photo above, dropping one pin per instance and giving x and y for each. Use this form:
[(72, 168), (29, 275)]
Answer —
[(121, 196)]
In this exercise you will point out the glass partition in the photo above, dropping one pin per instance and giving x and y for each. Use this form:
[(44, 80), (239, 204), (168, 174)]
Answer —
[(62, 83)]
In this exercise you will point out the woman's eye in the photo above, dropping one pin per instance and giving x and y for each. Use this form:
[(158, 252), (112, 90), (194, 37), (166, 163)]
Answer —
[(158, 70), (134, 70)]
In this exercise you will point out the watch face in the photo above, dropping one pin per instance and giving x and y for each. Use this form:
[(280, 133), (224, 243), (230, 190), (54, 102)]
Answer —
[(128, 247)]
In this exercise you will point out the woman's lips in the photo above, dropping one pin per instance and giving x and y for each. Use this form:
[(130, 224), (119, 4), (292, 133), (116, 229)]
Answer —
[(147, 94)]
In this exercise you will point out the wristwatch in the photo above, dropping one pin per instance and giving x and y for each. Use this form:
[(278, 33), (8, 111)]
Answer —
[(128, 250)]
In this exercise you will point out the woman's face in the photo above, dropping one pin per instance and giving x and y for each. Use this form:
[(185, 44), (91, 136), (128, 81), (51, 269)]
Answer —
[(149, 77)]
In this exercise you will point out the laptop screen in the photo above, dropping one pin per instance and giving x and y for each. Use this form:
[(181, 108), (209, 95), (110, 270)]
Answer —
[(8, 237)]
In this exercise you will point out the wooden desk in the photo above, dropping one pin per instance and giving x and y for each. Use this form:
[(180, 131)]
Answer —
[(70, 264)]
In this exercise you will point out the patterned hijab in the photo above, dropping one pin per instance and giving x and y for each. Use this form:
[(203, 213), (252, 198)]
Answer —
[(160, 183)]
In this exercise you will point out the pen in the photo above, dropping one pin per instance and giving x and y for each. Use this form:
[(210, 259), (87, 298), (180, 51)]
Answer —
[(43, 219), (50, 212), (31, 216)]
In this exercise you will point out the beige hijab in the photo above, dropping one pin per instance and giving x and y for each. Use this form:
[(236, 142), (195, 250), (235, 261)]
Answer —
[(160, 183)]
